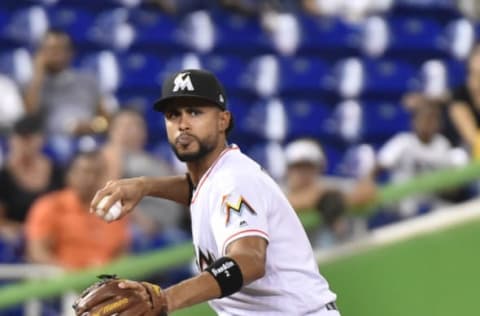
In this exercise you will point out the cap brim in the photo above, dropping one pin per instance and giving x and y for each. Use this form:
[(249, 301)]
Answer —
[(161, 104)]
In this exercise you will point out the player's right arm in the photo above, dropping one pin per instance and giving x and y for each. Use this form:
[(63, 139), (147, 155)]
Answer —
[(131, 191)]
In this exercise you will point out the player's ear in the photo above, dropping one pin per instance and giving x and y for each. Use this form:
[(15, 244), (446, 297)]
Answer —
[(224, 121)]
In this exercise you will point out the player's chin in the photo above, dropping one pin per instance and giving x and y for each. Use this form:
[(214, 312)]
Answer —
[(186, 154)]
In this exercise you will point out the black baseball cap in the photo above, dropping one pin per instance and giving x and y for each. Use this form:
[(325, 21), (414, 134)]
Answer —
[(192, 83)]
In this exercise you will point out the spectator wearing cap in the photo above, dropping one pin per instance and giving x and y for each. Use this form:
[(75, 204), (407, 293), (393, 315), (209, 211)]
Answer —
[(309, 191), (26, 174), (305, 162)]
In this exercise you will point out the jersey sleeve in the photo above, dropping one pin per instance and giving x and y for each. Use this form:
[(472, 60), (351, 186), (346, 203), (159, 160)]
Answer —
[(239, 211)]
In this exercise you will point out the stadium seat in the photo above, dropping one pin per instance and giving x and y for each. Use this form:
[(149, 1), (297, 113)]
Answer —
[(140, 71), (308, 118), (414, 38), (240, 35), (457, 72), (269, 155), (440, 10), (228, 69), (329, 37), (303, 75), (76, 22), (16, 64), (156, 32), (381, 120), (95, 5), (387, 78), (25, 26)]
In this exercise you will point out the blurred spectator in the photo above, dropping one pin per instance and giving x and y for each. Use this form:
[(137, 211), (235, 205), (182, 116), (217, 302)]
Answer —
[(126, 157), (464, 108), (469, 8), (307, 191), (61, 231), (409, 154), (350, 10), (11, 104), (179, 7), (69, 101), (254, 7), (27, 174)]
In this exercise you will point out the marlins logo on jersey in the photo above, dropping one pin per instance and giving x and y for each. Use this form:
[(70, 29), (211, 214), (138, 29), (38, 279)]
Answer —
[(237, 207)]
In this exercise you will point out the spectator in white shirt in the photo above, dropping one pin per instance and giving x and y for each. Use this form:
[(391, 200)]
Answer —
[(424, 149)]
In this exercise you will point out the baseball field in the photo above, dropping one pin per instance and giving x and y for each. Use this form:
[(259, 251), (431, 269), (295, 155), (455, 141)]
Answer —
[(432, 275)]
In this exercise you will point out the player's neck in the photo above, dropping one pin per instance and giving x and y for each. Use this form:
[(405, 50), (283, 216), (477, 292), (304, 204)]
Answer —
[(197, 169)]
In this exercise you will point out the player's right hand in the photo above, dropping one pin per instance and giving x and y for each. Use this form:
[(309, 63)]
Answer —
[(128, 191)]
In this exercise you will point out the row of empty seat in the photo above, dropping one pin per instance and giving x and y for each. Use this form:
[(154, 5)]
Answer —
[(225, 32)]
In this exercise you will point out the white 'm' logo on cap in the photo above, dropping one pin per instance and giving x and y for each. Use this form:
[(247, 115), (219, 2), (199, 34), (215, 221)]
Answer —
[(182, 81)]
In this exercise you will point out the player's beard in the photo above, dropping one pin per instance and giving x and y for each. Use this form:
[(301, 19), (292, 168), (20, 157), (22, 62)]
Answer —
[(204, 149)]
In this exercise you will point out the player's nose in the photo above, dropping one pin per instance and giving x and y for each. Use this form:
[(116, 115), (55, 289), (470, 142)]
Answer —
[(183, 121)]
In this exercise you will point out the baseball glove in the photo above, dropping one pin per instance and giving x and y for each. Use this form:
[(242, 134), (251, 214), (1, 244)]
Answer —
[(105, 298), (332, 206)]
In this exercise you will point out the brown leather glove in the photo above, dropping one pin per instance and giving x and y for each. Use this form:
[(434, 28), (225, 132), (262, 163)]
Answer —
[(106, 298)]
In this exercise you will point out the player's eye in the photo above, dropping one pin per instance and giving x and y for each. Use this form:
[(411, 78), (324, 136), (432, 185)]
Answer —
[(169, 115), (194, 112)]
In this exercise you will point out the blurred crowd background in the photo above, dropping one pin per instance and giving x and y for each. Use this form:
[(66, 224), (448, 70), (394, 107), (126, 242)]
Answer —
[(334, 98)]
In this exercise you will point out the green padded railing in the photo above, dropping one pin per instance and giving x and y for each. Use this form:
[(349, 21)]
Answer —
[(136, 267)]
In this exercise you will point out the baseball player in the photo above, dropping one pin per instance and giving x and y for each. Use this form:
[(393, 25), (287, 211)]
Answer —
[(252, 252)]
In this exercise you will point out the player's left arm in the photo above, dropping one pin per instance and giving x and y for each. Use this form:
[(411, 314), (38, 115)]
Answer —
[(248, 256)]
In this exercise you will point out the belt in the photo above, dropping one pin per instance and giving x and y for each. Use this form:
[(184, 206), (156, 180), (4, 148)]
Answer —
[(332, 306)]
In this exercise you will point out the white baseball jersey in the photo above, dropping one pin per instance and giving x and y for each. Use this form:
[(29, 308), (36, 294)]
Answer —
[(236, 199)]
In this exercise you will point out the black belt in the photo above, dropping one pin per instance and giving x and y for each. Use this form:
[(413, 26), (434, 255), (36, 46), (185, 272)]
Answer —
[(331, 306)]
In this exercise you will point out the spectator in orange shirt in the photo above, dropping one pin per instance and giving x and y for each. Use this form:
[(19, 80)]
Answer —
[(61, 231)]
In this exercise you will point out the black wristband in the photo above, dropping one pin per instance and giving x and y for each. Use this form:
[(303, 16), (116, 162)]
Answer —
[(227, 274)]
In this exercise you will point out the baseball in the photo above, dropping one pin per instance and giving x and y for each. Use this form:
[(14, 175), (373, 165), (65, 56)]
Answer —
[(113, 213)]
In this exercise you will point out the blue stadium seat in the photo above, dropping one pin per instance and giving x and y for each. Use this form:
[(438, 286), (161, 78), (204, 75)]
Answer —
[(440, 10), (240, 35), (140, 71), (387, 77), (308, 118), (76, 22), (24, 26), (329, 37), (228, 69), (457, 72), (16, 64), (249, 117), (415, 38), (95, 5), (381, 120), (156, 32), (303, 75)]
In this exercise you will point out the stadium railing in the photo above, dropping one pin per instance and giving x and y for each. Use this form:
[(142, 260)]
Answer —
[(136, 267)]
